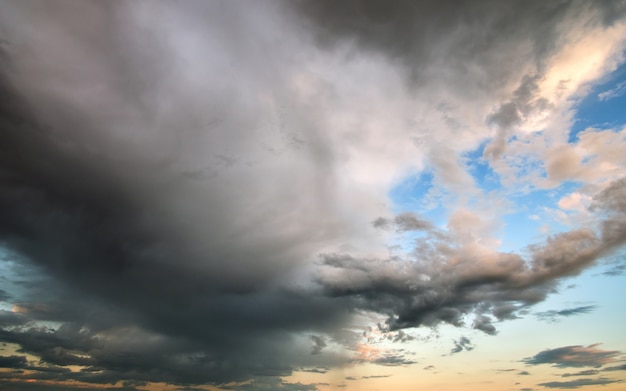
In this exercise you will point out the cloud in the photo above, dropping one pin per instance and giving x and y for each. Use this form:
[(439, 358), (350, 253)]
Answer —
[(587, 372), (553, 315), (462, 344), (169, 176), (315, 370), (393, 360), (574, 356), (617, 91), (272, 383), (615, 368), (579, 383), (12, 361), (367, 377), (403, 222), (450, 276), (318, 344), (616, 270)]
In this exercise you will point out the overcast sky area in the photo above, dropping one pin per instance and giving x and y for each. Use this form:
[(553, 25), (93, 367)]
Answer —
[(312, 195)]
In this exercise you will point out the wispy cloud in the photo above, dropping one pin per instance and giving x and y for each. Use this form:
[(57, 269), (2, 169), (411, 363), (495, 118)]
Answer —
[(554, 315), (579, 383), (615, 92), (575, 356), (198, 193)]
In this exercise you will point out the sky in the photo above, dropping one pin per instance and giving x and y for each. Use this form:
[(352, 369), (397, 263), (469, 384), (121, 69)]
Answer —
[(312, 195)]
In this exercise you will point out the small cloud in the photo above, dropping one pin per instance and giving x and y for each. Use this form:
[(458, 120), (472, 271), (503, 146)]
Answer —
[(400, 336), (483, 323), (553, 316), (574, 356), (404, 222), (588, 372), (617, 368), (462, 344), (615, 92), (524, 373), (375, 376), (617, 270), (579, 383)]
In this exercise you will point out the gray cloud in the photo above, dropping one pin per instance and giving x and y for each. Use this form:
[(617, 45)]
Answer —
[(574, 356), (616, 270), (554, 315), (432, 289), (403, 222), (393, 360), (587, 372), (318, 344), (12, 361), (523, 103), (579, 383), (315, 370), (462, 344), (615, 368), (272, 383)]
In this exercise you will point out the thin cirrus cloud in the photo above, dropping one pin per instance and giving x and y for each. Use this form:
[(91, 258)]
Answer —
[(198, 194)]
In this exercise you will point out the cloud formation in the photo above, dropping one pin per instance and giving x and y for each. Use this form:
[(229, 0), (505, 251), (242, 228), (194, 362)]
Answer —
[(568, 385), (193, 194), (554, 315), (574, 356)]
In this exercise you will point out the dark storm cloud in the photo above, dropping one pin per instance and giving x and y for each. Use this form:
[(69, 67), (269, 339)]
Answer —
[(171, 207), (574, 356), (482, 32), (553, 315), (579, 383)]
